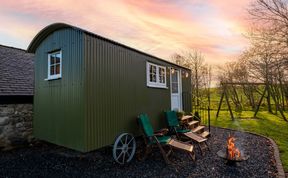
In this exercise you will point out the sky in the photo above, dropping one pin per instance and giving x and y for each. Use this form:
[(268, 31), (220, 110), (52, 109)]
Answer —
[(158, 27)]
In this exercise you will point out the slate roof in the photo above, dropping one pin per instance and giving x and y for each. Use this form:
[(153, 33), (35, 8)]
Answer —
[(16, 72)]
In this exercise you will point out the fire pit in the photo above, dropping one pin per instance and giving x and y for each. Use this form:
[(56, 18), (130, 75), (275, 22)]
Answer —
[(231, 153)]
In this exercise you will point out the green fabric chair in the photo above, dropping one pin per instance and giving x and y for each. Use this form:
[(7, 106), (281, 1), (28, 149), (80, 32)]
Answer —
[(174, 124), (158, 138), (149, 131)]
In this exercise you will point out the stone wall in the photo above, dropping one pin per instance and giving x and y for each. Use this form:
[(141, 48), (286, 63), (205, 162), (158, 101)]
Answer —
[(15, 125)]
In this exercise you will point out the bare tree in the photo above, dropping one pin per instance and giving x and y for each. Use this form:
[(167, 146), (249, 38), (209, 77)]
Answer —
[(270, 19), (266, 59), (200, 71)]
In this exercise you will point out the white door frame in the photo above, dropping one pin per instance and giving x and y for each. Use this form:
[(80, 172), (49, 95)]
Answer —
[(179, 94)]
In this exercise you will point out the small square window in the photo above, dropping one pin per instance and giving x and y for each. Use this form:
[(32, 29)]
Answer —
[(54, 65)]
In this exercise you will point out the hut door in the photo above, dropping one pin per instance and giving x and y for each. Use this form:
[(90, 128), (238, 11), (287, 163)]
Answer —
[(176, 102)]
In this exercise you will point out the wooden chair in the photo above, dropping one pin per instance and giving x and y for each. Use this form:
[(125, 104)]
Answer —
[(160, 140), (185, 134)]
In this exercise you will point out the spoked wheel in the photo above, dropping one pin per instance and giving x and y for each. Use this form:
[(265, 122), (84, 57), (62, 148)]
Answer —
[(124, 148)]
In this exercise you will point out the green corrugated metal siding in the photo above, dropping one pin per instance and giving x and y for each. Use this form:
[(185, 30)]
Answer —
[(116, 92), (186, 98), (58, 104), (186, 92), (101, 92)]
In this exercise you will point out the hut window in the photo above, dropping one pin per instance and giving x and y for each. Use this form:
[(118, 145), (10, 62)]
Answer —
[(152, 73), (162, 75), (54, 65), (156, 75)]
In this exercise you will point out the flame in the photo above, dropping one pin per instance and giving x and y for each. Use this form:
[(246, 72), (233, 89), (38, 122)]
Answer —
[(233, 152)]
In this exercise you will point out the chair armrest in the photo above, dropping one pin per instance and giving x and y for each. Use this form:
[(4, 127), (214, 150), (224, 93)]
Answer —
[(161, 132), (158, 134)]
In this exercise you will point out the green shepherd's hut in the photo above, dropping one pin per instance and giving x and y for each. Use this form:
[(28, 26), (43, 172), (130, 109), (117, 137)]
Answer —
[(89, 89)]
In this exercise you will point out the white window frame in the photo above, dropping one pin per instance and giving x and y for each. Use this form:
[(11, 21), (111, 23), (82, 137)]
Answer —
[(55, 76), (156, 84)]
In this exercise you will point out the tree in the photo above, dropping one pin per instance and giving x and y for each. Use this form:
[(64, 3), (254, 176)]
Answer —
[(267, 56), (200, 72), (265, 61)]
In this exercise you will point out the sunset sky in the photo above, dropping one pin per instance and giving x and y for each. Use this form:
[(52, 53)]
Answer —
[(158, 27)]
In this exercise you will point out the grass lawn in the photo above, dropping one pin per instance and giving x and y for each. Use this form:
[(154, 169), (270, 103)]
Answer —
[(268, 124)]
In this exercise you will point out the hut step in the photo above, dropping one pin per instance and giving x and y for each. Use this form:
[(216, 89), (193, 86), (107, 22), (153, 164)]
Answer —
[(205, 134), (193, 124), (198, 129)]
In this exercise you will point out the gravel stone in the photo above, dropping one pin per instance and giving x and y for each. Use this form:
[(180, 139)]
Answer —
[(4, 120), (47, 160)]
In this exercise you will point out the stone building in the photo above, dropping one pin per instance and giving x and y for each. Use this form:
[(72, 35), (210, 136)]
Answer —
[(16, 96)]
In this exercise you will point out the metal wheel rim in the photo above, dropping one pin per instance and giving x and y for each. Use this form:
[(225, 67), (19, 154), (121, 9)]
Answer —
[(124, 148)]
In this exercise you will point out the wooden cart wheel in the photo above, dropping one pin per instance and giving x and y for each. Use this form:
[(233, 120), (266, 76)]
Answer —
[(124, 148)]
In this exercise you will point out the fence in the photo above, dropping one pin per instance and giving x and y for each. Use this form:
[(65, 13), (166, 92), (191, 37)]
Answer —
[(201, 109)]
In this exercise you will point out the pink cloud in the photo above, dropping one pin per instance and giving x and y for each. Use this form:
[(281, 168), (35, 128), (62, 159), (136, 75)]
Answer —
[(158, 27), (164, 9)]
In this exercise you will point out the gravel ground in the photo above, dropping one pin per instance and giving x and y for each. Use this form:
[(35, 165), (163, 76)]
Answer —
[(47, 160)]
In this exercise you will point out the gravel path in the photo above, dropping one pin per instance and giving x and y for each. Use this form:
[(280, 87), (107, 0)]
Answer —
[(47, 160)]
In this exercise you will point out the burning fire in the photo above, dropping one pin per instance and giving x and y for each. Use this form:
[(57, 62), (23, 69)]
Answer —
[(232, 152)]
